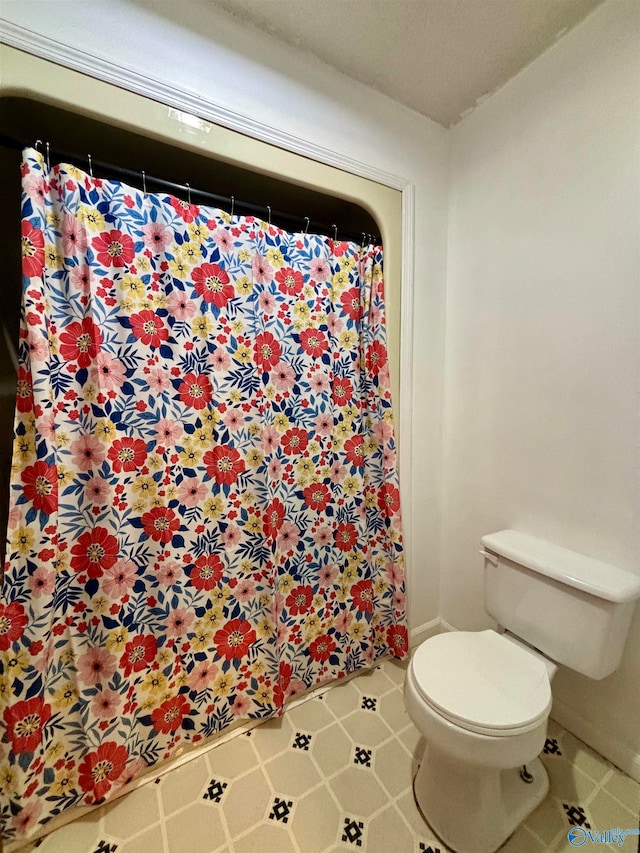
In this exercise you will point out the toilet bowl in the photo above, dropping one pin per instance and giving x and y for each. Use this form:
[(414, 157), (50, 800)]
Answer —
[(481, 699), (481, 703)]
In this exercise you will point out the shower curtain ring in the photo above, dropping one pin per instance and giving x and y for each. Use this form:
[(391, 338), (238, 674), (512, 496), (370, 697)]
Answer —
[(37, 145), (233, 202), (188, 192), (90, 166), (269, 209), (48, 158), (144, 181), (306, 227), (335, 233)]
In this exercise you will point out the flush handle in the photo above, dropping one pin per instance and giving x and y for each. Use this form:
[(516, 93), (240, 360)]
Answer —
[(493, 559)]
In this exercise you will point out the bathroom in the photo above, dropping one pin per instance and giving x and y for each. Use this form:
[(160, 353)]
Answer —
[(520, 351)]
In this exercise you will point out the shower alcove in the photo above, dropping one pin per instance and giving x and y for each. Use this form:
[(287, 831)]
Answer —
[(79, 115)]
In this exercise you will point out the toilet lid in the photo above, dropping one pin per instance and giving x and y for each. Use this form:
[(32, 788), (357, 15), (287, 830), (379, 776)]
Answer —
[(482, 682)]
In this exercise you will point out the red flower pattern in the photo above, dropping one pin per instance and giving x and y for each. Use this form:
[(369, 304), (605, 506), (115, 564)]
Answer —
[(32, 250), (290, 281), (322, 648), (206, 572), (234, 639), (273, 518), (354, 450), (101, 768), (12, 624), (342, 391), (113, 248), (351, 304), (25, 722), (81, 342), (295, 441), (389, 499), (224, 464), (24, 390), (139, 653), (317, 496), (149, 328), (127, 454), (169, 716), (212, 283), (314, 342), (40, 486), (267, 351), (346, 536), (160, 523), (95, 552), (195, 390), (362, 595), (299, 600)]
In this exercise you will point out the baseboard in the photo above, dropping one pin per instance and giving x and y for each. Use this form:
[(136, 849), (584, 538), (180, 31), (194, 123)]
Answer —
[(428, 629), (617, 753)]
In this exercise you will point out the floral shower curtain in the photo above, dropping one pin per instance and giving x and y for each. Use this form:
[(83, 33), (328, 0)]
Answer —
[(205, 515)]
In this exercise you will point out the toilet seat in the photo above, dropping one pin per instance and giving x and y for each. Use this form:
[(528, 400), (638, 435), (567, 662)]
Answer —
[(480, 681)]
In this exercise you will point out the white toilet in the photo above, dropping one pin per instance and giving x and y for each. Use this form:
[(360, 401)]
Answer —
[(482, 699)]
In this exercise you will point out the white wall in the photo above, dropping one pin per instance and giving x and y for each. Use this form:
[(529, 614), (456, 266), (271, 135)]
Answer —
[(542, 349), (199, 48)]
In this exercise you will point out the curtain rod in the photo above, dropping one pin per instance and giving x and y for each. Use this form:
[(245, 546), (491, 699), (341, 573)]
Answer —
[(143, 177)]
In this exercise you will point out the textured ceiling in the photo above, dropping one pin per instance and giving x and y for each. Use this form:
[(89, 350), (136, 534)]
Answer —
[(436, 56)]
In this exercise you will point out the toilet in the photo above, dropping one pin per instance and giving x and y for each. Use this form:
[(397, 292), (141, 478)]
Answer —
[(481, 699)]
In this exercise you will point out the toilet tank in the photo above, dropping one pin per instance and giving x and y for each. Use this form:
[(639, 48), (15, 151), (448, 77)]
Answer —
[(574, 609)]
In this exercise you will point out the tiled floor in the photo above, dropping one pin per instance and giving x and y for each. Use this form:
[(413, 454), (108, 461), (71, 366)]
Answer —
[(334, 774)]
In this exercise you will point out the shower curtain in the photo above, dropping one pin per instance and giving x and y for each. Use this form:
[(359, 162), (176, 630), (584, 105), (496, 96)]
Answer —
[(205, 515)]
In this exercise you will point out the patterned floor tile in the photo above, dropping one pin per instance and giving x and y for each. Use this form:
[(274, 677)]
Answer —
[(316, 821), (332, 750), (567, 781), (362, 756), (132, 813), (196, 829), (246, 802), (237, 755), (393, 711), (548, 820), (625, 790), (214, 790), (343, 700), (373, 683), (335, 774), (523, 841), (353, 832), (607, 813), (583, 757), (150, 841), (292, 773), (358, 791), (367, 728), (388, 831), (281, 810), (78, 837), (392, 767), (183, 785), (311, 716), (265, 838), (274, 737)]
